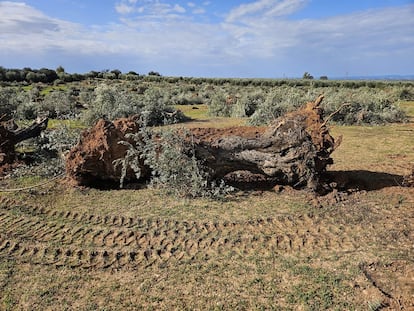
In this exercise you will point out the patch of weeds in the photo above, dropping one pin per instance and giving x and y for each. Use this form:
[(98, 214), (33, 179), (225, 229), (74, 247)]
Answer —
[(317, 289), (71, 124), (8, 301), (375, 305)]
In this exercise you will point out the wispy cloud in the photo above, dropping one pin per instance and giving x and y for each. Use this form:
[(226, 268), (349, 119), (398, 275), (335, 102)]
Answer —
[(181, 43), (152, 8), (124, 8), (265, 8), (18, 18)]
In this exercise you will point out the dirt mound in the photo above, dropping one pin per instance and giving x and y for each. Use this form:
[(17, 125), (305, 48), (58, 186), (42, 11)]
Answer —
[(90, 162)]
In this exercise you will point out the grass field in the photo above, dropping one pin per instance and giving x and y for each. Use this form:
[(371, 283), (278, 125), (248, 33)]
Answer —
[(65, 248)]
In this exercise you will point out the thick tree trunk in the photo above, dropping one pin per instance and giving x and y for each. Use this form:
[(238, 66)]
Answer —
[(294, 150), (10, 135)]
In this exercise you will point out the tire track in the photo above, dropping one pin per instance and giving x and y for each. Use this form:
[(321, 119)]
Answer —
[(44, 236)]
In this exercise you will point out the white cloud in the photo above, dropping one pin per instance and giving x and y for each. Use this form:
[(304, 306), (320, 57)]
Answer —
[(158, 33), (198, 11), (179, 9), (18, 18), (123, 8), (270, 8), (153, 8)]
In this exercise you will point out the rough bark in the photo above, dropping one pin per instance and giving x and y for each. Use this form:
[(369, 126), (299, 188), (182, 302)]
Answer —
[(10, 135), (294, 150)]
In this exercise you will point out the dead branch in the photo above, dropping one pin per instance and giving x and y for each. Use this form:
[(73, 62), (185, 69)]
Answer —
[(334, 113)]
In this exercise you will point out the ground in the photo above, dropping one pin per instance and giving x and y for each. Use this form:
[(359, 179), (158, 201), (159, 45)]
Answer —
[(65, 248)]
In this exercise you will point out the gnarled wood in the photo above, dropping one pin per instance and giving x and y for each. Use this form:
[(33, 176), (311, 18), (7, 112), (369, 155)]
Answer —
[(294, 150), (11, 134)]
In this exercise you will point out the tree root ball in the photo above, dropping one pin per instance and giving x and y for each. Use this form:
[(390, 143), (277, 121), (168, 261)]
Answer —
[(90, 162)]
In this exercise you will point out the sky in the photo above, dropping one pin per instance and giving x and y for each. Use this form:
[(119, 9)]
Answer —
[(206, 38)]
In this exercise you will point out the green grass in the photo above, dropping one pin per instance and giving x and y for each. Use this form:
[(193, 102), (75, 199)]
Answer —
[(408, 107), (196, 112), (70, 124), (46, 90), (374, 148), (317, 288)]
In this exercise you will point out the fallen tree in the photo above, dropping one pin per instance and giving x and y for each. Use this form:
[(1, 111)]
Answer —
[(11, 135), (294, 150)]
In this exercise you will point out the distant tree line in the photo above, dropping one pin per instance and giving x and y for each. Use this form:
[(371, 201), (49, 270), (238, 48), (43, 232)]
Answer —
[(45, 75), (50, 76)]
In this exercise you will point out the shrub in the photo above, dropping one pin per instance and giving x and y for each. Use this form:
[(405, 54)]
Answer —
[(8, 102), (110, 103), (367, 106), (247, 104), (278, 102), (155, 108), (218, 106), (171, 157), (58, 105), (49, 149), (405, 94)]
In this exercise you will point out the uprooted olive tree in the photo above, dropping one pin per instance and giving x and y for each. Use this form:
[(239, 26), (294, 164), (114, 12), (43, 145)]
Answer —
[(293, 150), (11, 134)]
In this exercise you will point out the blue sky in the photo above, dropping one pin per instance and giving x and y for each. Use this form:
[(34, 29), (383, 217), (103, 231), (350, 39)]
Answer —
[(246, 38)]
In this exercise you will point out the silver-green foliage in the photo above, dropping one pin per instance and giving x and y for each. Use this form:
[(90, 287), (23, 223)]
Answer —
[(27, 105), (27, 108), (171, 158), (218, 106), (8, 102), (367, 105), (58, 140), (49, 151), (110, 103), (156, 109), (364, 106), (58, 105), (277, 102)]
